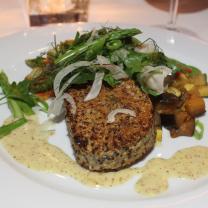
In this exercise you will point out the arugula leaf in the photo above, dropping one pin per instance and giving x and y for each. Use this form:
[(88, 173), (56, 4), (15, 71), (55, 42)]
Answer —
[(134, 62), (108, 78), (119, 56)]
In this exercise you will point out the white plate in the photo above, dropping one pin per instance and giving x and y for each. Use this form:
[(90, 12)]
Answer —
[(21, 187)]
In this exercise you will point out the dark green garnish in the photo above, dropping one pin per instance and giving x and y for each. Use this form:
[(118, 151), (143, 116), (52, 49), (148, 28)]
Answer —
[(8, 128), (199, 130), (20, 102)]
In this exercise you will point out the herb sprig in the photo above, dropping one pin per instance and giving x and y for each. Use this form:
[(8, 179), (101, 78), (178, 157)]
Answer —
[(20, 102)]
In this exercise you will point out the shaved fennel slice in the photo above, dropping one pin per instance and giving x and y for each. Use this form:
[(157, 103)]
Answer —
[(56, 108), (122, 53), (147, 47), (147, 70), (112, 114), (64, 72), (66, 84), (154, 77), (116, 71), (119, 55), (96, 86), (92, 36), (70, 100), (102, 60)]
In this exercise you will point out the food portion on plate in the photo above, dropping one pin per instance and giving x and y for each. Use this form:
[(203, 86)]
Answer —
[(112, 131), (115, 93), (111, 55)]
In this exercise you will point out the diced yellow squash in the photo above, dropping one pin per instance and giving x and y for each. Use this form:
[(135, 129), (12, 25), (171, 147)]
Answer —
[(158, 135), (203, 91), (189, 86), (174, 91)]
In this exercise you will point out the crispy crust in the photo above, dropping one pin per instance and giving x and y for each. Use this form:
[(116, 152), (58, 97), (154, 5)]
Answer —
[(102, 146)]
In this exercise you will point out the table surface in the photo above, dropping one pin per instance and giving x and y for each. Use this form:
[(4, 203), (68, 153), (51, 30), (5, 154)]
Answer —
[(125, 11)]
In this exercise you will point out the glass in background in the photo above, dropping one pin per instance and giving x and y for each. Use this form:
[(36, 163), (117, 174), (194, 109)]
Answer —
[(171, 25), (184, 7), (173, 12), (43, 12), (177, 7)]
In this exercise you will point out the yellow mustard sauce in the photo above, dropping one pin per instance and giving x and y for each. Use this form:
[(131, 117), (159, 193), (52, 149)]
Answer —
[(29, 146), (190, 163)]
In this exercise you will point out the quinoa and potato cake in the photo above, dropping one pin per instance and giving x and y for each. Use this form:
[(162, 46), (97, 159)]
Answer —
[(102, 146)]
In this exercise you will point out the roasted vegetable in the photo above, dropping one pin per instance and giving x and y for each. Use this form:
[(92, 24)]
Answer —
[(158, 135), (185, 125), (174, 91), (168, 103), (45, 95), (195, 105), (189, 87), (179, 120), (199, 79), (203, 91)]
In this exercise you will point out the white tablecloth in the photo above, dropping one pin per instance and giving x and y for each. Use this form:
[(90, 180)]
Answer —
[(13, 15)]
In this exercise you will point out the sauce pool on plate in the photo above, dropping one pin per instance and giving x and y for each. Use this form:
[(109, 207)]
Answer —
[(29, 146)]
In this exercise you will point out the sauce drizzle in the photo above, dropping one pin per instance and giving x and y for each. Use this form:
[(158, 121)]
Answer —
[(29, 146)]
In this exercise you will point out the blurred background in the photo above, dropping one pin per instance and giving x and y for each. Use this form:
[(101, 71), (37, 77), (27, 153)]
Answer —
[(16, 15)]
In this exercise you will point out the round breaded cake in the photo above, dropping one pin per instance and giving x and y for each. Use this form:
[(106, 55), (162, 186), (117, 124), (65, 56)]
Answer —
[(102, 146)]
